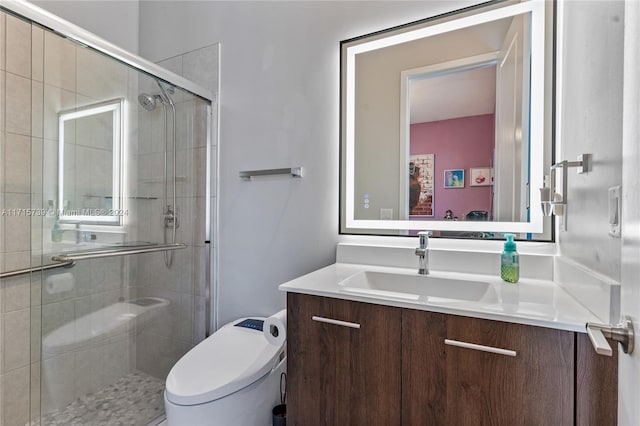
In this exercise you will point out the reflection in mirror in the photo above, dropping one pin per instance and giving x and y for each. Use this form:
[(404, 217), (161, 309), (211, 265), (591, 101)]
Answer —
[(90, 164), (443, 123), (452, 123)]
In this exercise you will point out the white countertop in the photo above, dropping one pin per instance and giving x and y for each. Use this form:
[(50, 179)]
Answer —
[(531, 301)]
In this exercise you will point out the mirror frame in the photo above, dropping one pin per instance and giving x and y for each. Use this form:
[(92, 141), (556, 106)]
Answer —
[(107, 216), (350, 48)]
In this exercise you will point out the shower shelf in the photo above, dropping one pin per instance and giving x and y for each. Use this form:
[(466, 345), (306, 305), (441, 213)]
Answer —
[(115, 251)]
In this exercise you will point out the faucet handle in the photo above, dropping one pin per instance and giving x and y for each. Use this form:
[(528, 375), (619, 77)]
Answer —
[(425, 233)]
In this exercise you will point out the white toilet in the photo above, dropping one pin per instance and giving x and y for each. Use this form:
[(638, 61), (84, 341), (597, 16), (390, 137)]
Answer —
[(230, 378)]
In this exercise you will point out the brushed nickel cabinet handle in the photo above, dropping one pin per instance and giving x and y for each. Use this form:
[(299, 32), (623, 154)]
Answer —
[(336, 322), (483, 348)]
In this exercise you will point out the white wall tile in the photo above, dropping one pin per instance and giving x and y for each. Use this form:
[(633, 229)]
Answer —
[(1, 340), (199, 228), (36, 333), (185, 317), (59, 62), (17, 228), (56, 314), (17, 163), (1, 398), (17, 293), (2, 229), (173, 64), (36, 286), (36, 171), (201, 66), (3, 19), (199, 329), (37, 53), (18, 104), (50, 170), (99, 77), (35, 391), (200, 173), (16, 339), (16, 259), (18, 46), (3, 100), (15, 399), (37, 109)]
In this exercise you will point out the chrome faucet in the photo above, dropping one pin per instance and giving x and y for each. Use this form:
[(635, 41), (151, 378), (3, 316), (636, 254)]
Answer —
[(423, 252)]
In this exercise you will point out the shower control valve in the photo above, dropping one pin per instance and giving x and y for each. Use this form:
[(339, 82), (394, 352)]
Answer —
[(169, 219)]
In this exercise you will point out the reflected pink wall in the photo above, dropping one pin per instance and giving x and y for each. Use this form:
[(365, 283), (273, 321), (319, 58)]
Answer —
[(459, 143)]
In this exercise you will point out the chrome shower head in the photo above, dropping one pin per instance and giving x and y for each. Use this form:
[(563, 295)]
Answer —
[(147, 101)]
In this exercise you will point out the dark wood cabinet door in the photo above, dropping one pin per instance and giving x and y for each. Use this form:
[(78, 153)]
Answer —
[(534, 387), (339, 375), (423, 368), (596, 384)]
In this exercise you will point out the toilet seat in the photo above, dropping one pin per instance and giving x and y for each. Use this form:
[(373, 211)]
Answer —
[(227, 361)]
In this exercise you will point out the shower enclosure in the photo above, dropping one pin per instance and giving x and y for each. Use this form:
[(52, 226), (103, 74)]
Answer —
[(104, 225)]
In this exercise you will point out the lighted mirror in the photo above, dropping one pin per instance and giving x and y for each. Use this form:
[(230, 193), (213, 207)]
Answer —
[(90, 165), (443, 123)]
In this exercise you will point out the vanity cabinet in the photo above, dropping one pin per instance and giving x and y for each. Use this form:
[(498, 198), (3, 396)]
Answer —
[(412, 367)]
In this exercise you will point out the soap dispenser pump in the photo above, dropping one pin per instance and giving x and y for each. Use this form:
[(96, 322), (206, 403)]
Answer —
[(509, 261)]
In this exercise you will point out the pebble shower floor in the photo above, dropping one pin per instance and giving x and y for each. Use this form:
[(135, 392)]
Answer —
[(134, 399)]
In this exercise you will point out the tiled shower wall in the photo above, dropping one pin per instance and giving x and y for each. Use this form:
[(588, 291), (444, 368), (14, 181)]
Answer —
[(16, 139), (184, 285)]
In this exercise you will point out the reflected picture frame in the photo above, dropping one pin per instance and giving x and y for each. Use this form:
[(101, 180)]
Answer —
[(481, 176), (454, 178)]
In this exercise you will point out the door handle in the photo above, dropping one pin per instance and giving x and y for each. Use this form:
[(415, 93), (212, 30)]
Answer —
[(622, 333)]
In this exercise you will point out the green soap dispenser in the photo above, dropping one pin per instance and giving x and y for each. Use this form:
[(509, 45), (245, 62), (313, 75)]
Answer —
[(509, 262)]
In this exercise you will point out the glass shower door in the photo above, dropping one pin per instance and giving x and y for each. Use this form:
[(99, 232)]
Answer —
[(122, 164)]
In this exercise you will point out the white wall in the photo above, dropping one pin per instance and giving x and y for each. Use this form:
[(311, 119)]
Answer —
[(592, 123), (114, 20), (279, 104)]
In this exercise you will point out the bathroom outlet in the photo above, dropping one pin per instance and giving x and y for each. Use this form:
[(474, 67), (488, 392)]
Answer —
[(386, 214)]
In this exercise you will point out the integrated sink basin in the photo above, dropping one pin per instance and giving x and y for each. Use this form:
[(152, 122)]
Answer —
[(418, 287)]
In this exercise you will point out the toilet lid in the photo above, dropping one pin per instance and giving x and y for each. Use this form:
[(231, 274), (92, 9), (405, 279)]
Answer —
[(227, 361)]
